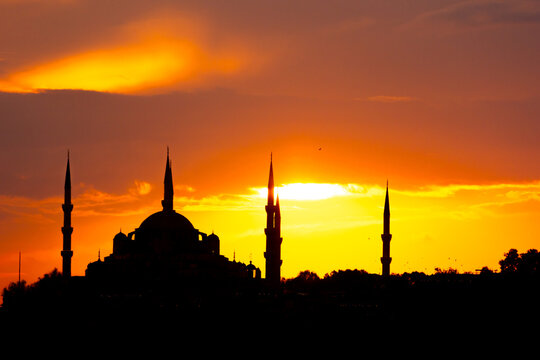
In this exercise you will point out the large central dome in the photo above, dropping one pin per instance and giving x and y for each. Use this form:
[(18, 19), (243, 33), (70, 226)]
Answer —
[(166, 220), (167, 232)]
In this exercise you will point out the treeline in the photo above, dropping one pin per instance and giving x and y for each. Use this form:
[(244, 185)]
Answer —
[(489, 297), (20, 295), (525, 264)]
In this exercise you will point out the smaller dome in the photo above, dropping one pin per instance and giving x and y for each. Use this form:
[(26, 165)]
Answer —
[(120, 243), (212, 243), (120, 236)]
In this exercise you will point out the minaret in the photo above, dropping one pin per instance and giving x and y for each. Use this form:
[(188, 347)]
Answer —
[(277, 221), (386, 237), (168, 193), (67, 207), (273, 234)]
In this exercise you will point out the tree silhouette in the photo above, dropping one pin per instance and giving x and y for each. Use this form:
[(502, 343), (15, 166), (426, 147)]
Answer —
[(510, 262), (13, 294), (530, 262), (486, 271), (524, 264), (307, 276), (449, 271)]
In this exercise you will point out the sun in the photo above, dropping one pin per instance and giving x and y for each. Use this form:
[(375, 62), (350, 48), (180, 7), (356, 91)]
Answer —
[(307, 191)]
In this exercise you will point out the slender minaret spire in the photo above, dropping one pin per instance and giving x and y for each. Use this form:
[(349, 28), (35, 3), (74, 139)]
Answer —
[(386, 236), (273, 234), (271, 184), (67, 230), (168, 193)]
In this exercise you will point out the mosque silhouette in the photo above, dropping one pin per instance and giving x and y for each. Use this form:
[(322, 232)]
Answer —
[(167, 247), (166, 274), (166, 271)]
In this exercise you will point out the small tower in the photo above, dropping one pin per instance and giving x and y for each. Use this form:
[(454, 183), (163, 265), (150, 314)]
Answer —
[(168, 194), (386, 237), (67, 207), (273, 234)]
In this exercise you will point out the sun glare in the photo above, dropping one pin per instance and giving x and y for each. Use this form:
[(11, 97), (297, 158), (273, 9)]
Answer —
[(310, 191)]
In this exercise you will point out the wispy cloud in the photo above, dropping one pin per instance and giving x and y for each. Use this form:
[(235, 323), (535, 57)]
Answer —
[(39, 210), (91, 202), (390, 99), (319, 191), (142, 187), (442, 191), (220, 202), (138, 199), (476, 13)]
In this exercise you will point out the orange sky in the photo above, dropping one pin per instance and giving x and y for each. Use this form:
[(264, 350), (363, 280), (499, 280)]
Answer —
[(439, 97)]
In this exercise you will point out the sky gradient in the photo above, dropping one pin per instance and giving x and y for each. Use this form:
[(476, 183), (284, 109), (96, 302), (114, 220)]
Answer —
[(440, 98)]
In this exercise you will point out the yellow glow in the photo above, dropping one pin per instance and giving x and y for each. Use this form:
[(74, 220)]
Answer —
[(316, 191), (325, 227), (153, 62)]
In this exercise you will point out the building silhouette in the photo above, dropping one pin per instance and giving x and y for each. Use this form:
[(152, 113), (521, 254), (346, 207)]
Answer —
[(386, 237), (167, 247), (273, 233), (67, 230)]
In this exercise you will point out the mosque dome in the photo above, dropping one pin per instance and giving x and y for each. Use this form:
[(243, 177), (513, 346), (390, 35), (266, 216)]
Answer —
[(120, 243), (212, 243), (213, 237), (120, 236), (166, 220), (167, 232)]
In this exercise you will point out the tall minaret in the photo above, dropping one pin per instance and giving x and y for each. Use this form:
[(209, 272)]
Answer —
[(277, 221), (168, 193), (273, 234), (386, 237), (67, 207)]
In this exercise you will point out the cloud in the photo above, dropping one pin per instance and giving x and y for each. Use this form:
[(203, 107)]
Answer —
[(318, 191), (476, 13), (92, 202), (220, 202), (390, 99), (160, 51), (142, 187), (126, 68), (38, 210), (435, 191)]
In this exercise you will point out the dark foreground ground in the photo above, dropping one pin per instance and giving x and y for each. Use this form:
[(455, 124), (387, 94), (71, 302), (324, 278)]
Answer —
[(349, 306)]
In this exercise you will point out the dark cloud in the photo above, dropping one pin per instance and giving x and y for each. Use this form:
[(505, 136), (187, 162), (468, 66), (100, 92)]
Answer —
[(318, 58), (487, 12)]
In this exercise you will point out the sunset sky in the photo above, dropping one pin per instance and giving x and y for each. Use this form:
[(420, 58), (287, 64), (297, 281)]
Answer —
[(440, 98)]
